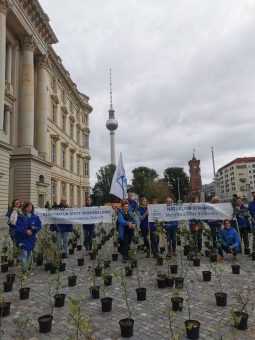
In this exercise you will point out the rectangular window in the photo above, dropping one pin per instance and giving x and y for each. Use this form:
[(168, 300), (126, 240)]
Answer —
[(63, 189), (63, 97), (78, 165), (71, 161), (85, 168), (64, 122), (71, 201), (86, 140), (54, 84), (53, 192), (53, 153), (63, 157), (78, 136), (71, 129), (53, 112)]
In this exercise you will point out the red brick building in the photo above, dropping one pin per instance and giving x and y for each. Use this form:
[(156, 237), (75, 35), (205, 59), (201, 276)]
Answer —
[(195, 179)]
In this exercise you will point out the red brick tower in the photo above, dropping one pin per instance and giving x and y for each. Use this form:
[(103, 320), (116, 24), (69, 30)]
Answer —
[(195, 179)]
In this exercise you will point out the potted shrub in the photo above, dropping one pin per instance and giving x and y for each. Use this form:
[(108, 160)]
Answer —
[(140, 291), (58, 297), (169, 280), (161, 280), (177, 300), (81, 260), (106, 302), (4, 307), (126, 324), (221, 297), (107, 277), (94, 290), (23, 279), (45, 321), (72, 279), (192, 326), (240, 314)]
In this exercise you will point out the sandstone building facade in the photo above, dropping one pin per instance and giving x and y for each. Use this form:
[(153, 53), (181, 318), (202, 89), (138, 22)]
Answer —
[(44, 119)]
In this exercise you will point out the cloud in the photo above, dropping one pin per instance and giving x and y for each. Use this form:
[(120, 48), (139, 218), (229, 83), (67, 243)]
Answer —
[(182, 77)]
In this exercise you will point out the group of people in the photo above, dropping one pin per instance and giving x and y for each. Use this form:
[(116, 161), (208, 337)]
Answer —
[(24, 225)]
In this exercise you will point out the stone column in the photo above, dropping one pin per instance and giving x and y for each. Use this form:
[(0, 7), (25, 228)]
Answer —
[(4, 7), (42, 107), (7, 122), (58, 191), (26, 116), (9, 63)]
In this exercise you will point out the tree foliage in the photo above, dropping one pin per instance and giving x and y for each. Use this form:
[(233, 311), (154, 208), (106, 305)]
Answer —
[(101, 191), (171, 176), (143, 180), (160, 190)]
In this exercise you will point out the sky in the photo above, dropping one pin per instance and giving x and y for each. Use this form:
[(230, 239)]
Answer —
[(182, 74)]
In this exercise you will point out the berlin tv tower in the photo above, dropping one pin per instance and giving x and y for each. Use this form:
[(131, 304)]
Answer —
[(112, 124)]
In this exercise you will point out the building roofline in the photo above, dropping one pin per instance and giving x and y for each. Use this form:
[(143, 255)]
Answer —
[(238, 161)]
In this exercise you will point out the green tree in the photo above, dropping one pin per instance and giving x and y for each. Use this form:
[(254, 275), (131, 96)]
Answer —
[(171, 177), (101, 191), (160, 190), (142, 182)]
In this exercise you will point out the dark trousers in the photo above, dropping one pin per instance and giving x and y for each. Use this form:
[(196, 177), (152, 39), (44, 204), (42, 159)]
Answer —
[(88, 235), (197, 237), (226, 249), (153, 240), (215, 236), (125, 243), (171, 240), (244, 237)]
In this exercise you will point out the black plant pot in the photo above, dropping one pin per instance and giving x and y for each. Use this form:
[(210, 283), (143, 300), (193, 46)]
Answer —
[(207, 253), (192, 329), (98, 271), (235, 268), (71, 251), (106, 304), (126, 327), (253, 257), (179, 242), (207, 275), (161, 282), (45, 322), (247, 251), (10, 263), (221, 299), (24, 293), (4, 258), (178, 282), (128, 271), (177, 303), (185, 250), (242, 324), (213, 257), (53, 269), (47, 266), (5, 308), (4, 267), (169, 281), (174, 268), (115, 257), (93, 256), (141, 294), (196, 262), (59, 300), (7, 286), (62, 267), (108, 280), (10, 278), (80, 262), (79, 247), (39, 260), (72, 281), (162, 249), (94, 292), (107, 264)]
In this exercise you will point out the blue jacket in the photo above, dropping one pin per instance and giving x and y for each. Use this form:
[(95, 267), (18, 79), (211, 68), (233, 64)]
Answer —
[(144, 220), (170, 225), (133, 205), (252, 208), (241, 219), (123, 221), (193, 223), (25, 223), (214, 223), (230, 237), (63, 228)]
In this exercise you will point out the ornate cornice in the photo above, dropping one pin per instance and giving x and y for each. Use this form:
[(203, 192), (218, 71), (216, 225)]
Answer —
[(55, 138), (64, 144), (73, 150), (5, 6), (27, 42)]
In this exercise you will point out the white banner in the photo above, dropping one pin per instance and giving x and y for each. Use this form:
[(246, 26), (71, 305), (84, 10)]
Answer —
[(85, 215), (188, 211)]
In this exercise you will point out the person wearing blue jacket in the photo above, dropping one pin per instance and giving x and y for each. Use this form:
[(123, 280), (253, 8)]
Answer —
[(242, 215), (27, 226), (251, 207), (147, 229), (171, 230), (132, 203), (126, 225), (88, 229), (62, 230), (230, 241)]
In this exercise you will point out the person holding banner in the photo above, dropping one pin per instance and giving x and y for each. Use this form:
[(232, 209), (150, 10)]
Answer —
[(197, 227), (132, 203), (63, 229), (27, 226), (215, 225), (252, 213), (147, 229), (242, 216), (88, 229), (171, 229), (230, 241), (126, 225)]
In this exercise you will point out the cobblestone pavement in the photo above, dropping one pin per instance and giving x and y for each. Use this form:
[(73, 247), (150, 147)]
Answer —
[(151, 316)]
